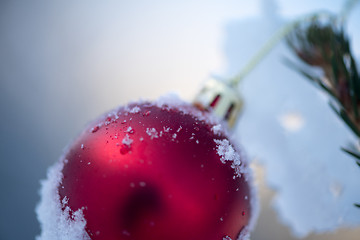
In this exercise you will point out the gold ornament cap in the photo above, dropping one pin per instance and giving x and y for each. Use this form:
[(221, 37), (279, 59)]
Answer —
[(222, 98)]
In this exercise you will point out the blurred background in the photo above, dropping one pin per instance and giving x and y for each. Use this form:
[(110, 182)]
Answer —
[(63, 63)]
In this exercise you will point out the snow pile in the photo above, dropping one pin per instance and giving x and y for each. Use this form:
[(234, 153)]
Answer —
[(55, 223), (135, 109), (288, 126)]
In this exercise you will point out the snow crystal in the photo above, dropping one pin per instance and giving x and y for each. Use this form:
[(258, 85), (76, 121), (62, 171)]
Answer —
[(227, 152), (217, 129), (135, 109), (152, 133), (179, 129), (58, 224), (127, 140), (129, 130)]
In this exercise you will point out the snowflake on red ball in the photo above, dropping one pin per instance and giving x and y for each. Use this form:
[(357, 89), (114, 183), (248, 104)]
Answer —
[(149, 170)]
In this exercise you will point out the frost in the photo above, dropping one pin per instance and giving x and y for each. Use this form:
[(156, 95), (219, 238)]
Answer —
[(245, 234), (58, 224), (129, 130), (135, 109), (152, 133), (217, 129), (227, 152), (175, 101), (179, 129), (127, 140)]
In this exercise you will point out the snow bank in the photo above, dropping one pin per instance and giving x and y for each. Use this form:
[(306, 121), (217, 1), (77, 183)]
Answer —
[(58, 224)]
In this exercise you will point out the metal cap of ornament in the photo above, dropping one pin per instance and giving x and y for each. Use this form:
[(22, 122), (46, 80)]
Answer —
[(222, 99)]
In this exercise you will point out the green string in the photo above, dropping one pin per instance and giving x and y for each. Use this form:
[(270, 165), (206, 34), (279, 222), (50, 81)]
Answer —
[(283, 32)]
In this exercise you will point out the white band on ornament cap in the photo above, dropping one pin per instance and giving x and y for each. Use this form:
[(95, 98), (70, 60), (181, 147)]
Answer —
[(223, 99)]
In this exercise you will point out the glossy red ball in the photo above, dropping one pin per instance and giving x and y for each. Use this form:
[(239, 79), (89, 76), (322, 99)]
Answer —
[(154, 172)]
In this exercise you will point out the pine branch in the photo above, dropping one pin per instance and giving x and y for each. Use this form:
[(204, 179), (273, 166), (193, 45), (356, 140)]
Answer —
[(325, 46)]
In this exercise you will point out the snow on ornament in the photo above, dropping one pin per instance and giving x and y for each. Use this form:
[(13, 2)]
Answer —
[(153, 170)]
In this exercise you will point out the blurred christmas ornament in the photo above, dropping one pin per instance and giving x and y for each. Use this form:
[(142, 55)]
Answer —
[(153, 170)]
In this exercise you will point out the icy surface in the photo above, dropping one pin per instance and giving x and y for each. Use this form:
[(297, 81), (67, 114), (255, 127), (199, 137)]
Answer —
[(288, 126), (55, 223)]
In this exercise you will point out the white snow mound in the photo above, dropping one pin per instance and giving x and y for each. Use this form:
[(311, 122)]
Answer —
[(55, 223)]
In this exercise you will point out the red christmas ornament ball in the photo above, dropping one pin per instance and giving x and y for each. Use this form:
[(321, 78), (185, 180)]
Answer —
[(158, 172)]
